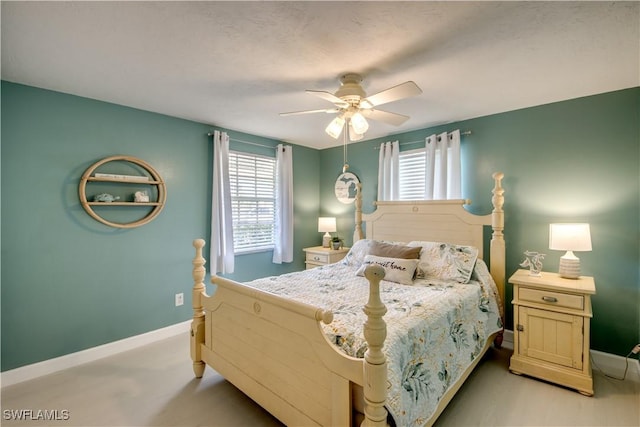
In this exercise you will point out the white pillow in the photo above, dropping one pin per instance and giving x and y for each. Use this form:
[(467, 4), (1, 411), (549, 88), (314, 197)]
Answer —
[(446, 261), (397, 270)]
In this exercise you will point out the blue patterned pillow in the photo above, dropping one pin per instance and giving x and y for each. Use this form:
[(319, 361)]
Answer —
[(446, 261), (358, 251)]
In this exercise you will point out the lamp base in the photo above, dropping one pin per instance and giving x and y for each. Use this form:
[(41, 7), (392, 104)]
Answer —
[(326, 240), (569, 266)]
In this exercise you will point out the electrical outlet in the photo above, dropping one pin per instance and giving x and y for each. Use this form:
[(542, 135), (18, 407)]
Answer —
[(636, 349), (179, 299)]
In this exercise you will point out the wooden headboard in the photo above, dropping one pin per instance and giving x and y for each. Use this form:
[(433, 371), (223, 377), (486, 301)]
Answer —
[(440, 221), (435, 221)]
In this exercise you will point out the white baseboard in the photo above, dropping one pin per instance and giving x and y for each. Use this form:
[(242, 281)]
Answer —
[(614, 365), (508, 339), (607, 363), (29, 372)]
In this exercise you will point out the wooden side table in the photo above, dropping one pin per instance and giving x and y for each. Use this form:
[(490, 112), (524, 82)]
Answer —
[(318, 255), (551, 328)]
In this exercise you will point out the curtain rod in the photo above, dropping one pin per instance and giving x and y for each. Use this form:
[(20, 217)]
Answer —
[(247, 142), (465, 133)]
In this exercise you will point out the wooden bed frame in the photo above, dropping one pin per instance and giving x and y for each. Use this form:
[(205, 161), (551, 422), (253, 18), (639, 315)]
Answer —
[(274, 349)]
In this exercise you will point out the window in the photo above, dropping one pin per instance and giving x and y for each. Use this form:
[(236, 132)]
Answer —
[(411, 166), (252, 182), (412, 172)]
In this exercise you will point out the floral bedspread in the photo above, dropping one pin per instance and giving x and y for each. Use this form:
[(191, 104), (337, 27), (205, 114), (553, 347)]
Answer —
[(435, 329)]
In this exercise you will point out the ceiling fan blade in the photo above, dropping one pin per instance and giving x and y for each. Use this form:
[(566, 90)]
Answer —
[(403, 90), (329, 97), (324, 110), (385, 116)]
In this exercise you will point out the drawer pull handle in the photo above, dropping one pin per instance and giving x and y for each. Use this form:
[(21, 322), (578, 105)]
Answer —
[(549, 299), (316, 258)]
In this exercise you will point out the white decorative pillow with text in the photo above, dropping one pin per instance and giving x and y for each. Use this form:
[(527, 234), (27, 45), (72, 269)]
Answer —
[(397, 270)]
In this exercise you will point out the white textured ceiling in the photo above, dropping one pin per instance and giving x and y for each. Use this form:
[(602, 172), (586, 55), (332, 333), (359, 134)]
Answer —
[(238, 64)]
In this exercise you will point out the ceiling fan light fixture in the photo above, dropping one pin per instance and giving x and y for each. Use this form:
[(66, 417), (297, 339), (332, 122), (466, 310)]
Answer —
[(359, 123), (335, 127), (353, 135)]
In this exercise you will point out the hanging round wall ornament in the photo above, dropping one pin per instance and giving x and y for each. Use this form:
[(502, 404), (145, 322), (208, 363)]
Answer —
[(346, 187)]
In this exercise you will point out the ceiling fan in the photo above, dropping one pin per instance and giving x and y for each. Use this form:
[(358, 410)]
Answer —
[(353, 106)]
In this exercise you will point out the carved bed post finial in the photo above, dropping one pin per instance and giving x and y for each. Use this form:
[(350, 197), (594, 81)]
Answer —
[(498, 198), (197, 325), (497, 261), (358, 234), (375, 362)]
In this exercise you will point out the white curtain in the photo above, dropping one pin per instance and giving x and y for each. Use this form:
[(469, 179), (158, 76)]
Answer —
[(283, 248), (222, 256), (388, 171), (442, 167)]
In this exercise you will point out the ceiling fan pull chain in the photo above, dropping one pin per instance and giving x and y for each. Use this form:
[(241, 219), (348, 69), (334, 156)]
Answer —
[(345, 165)]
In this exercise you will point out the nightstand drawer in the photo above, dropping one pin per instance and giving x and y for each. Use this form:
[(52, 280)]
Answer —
[(552, 298), (316, 257)]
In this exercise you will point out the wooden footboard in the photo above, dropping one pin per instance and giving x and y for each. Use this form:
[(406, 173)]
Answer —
[(275, 351)]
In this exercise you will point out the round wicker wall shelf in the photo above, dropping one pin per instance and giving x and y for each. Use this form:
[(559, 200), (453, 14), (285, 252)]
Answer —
[(148, 178)]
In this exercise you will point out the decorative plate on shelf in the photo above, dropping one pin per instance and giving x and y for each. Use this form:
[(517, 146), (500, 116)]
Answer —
[(346, 187)]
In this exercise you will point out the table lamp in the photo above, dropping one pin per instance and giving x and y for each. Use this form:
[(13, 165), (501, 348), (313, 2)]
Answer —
[(569, 237), (326, 225)]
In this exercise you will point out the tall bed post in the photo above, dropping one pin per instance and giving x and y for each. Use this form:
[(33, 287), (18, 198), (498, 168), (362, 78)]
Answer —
[(358, 234), (497, 261), (375, 362), (197, 325)]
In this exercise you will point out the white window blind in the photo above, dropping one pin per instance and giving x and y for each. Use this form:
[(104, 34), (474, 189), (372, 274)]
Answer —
[(252, 201), (411, 165)]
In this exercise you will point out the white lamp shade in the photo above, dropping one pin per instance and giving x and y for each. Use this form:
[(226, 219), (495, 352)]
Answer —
[(570, 237), (353, 135), (326, 225), (359, 123), (335, 127)]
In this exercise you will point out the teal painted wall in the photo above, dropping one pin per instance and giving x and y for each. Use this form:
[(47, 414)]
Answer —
[(572, 161), (71, 283)]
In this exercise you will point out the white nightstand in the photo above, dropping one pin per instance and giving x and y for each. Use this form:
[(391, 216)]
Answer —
[(319, 255), (551, 318)]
